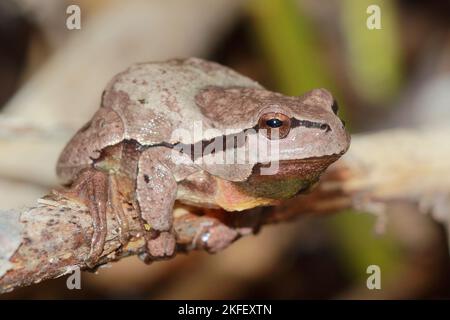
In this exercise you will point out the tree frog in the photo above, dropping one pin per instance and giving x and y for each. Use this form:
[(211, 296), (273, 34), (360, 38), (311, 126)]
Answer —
[(142, 147)]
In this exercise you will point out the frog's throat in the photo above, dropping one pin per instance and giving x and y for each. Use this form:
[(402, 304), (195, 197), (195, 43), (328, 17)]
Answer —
[(293, 177), (238, 196)]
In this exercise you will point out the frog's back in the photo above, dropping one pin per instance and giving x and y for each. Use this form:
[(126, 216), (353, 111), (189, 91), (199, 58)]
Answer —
[(146, 103)]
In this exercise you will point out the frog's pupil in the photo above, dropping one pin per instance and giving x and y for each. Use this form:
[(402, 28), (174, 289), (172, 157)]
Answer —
[(274, 123)]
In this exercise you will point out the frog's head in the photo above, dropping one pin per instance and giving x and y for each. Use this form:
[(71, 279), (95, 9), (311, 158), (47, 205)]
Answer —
[(304, 133)]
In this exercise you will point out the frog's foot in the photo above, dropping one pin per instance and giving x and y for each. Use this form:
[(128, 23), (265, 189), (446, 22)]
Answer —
[(162, 246), (98, 191), (213, 235)]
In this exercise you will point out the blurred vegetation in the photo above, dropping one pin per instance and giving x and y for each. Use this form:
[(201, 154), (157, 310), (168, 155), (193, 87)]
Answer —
[(290, 45), (288, 39), (372, 56), (359, 246)]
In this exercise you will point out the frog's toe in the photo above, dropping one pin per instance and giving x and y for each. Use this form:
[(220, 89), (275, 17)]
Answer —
[(216, 238), (96, 251), (163, 246)]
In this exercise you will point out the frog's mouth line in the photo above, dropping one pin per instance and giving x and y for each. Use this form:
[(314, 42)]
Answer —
[(305, 169)]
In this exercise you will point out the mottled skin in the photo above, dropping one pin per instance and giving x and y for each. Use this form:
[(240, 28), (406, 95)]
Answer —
[(129, 152)]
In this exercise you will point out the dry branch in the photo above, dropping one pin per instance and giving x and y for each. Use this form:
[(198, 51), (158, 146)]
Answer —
[(53, 238)]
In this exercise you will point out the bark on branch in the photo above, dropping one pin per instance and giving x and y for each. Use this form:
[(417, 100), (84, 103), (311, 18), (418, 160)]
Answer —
[(52, 238)]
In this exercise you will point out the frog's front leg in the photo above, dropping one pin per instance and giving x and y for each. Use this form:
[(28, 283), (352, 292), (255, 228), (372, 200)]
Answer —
[(156, 190)]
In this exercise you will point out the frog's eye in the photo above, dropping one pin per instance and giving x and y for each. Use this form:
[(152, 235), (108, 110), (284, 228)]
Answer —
[(276, 125)]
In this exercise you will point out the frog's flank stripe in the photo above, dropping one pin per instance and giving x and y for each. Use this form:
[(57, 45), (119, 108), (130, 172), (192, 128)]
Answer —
[(196, 150), (309, 124)]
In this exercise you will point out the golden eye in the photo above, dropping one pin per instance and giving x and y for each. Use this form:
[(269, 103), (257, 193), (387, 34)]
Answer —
[(277, 125)]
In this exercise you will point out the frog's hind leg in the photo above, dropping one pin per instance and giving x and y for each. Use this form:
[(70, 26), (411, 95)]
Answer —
[(116, 207), (91, 188), (99, 191)]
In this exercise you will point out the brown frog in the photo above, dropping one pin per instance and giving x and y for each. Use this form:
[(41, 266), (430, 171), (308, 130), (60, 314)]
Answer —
[(142, 145)]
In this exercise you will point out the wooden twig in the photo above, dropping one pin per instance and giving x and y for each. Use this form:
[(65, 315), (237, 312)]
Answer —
[(53, 238)]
